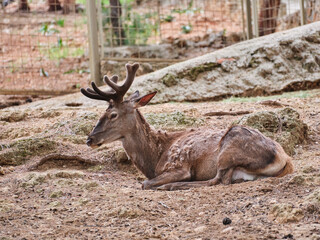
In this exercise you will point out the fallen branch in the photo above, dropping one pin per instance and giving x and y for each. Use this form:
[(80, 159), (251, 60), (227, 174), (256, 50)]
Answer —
[(222, 113), (272, 103), (55, 156)]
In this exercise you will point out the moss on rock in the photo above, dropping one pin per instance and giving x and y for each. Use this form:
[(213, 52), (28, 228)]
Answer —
[(19, 151), (32, 180), (56, 194), (169, 80), (312, 202), (285, 213), (173, 121), (13, 116), (90, 185), (80, 123), (193, 73)]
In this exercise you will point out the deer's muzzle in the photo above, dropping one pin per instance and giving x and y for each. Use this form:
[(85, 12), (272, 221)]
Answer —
[(89, 141)]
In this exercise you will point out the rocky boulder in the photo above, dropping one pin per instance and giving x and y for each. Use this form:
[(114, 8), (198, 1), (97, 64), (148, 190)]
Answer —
[(279, 62)]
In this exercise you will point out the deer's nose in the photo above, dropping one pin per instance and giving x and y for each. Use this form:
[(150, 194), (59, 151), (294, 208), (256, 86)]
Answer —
[(89, 141)]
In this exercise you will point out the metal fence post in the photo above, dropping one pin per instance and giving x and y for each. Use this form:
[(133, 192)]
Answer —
[(100, 26), (302, 12), (249, 19), (255, 18), (94, 57)]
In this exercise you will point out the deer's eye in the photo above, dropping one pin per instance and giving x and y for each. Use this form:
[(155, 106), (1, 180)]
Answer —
[(113, 115)]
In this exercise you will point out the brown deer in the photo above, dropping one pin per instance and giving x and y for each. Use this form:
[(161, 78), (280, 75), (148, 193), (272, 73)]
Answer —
[(185, 159)]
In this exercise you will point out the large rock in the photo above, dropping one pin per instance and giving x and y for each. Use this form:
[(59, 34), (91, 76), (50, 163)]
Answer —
[(278, 62)]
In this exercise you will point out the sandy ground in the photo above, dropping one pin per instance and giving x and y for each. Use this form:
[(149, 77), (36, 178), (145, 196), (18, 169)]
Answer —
[(69, 199)]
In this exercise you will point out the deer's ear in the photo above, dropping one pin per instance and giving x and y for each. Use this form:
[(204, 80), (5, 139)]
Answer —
[(144, 100), (133, 96)]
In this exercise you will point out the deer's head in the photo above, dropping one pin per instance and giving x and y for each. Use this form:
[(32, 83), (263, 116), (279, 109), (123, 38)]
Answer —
[(119, 118)]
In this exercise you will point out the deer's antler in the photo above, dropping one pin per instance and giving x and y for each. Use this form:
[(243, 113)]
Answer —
[(118, 92)]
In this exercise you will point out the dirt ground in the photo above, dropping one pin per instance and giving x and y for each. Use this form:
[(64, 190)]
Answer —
[(94, 195)]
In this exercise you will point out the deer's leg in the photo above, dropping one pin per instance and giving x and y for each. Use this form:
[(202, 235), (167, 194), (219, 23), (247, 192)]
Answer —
[(225, 167), (225, 177), (167, 177), (182, 185)]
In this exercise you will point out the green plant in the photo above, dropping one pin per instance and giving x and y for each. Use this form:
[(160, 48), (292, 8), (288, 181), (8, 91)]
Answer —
[(60, 22), (168, 18), (138, 27), (186, 28), (43, 73), (80, 71), (47, 29), (60, 43), (59, 51)]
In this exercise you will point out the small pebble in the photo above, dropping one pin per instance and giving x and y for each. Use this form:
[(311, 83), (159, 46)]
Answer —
[(288, 236), (226, 221)]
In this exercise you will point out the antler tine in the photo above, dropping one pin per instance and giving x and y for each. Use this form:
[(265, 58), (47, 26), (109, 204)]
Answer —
[(106, 95), (131, 73), (119, 91), (90, 91), (114, 78), (112, 84), (89, 94)]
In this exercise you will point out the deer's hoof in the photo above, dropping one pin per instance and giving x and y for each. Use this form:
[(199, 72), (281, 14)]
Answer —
[(145, 185)]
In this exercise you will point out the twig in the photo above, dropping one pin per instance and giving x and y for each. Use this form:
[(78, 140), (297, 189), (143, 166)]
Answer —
[(55, 156), (272, 103), (164, 205), (222, 113)]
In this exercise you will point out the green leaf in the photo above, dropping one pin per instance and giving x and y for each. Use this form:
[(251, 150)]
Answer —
[(60, 43), (60, 22), (69, 71), (43, 73), (168, 18), (186, 28)]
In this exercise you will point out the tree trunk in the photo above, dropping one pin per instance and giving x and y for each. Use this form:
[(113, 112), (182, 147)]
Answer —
[(268, 16), (116, 22), (23, 5), (54, 5)]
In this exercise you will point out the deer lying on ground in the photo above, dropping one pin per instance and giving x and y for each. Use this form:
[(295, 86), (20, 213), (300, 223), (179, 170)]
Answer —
[(181, 160)]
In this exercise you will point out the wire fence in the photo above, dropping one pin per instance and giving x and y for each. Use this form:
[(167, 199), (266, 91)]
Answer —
[(44, 43), (162, 32), (184, 23), (42, 46)]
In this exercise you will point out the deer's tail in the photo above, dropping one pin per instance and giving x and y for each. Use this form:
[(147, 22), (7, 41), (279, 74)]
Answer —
[(288, 168)]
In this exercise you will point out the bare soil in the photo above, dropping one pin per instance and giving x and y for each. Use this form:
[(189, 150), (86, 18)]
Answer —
[(101, 198)]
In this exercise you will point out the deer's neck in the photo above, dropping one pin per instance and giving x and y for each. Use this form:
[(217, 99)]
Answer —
[(145, 146)]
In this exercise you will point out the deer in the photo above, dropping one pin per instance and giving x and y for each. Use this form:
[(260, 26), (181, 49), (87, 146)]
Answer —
[(183, 159)]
